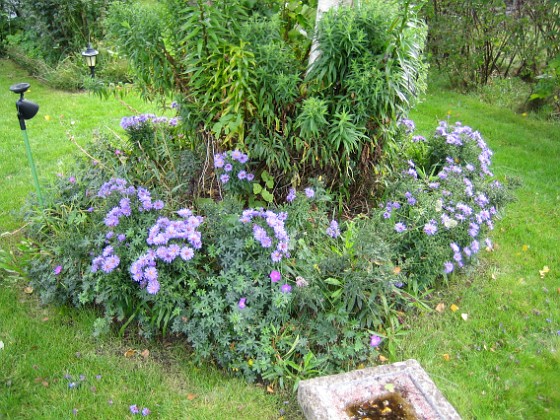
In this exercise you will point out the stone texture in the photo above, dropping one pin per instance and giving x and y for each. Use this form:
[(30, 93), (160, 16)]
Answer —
[(327, 397)]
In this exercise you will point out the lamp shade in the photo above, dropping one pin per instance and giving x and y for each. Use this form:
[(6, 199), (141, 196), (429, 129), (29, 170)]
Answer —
[(90, 55)]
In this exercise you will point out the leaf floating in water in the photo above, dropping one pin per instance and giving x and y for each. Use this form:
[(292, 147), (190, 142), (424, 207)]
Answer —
[(390, 387)]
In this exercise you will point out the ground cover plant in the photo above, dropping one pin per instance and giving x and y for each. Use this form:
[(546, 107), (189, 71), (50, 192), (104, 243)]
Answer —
[(498, 361), (46, 349), (168, 238)]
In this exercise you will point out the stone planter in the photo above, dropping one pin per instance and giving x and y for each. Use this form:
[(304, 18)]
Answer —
[(329, 397)]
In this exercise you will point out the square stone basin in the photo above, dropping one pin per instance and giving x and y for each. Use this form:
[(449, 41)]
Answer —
[(329, 397)]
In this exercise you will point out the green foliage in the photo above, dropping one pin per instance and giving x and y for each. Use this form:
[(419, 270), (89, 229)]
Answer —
[(477, 40), (55, 30), (239, 73), (547, 89)]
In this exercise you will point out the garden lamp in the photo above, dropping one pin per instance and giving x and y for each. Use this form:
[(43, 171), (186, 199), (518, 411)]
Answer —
[(90, 55), (25, 111)]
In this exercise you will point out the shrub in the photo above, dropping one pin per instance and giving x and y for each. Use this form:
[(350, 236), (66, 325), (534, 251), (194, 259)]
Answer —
[(443, 203), (242, 82)]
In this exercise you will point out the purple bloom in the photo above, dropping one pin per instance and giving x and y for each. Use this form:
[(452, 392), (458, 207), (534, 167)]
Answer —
[(145, 411), (400, 227), (242, 175), (430, 228), (276, 256), (158, 205), (454, 247), (333, 230), (150, 273), (219, 161), (291, 195), (134, 409), (90, 210), (153, 287), (228, 167), (275, 276), (417, 139), (57, 270), (309, 192), (186, 253), (121, 237), (286, 288), (375, 340), (241, 304), (72, 180), (224, 178), (250, 177), (448, 267)]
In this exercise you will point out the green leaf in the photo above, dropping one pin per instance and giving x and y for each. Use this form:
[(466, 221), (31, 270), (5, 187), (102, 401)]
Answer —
[(257, 188), (334, 282), (267, 196)]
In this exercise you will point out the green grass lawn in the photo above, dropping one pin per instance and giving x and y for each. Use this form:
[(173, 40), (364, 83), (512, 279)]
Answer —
[(501, 362), (504, 360), (42, 345)]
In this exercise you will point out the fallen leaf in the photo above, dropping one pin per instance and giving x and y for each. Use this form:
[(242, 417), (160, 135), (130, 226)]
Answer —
[(47, 117), (494, 277), (465, 316), (129, 353), (145, 353), (383, 359), (440, 307), (446, 357), (191, 397), (396, 270), (38, 380), (454, 307), (525, 248), (558, 290), (28, 290), (269, 389), (45, 384), (1, 345), (544, 271), (390, 387), (45, 319)]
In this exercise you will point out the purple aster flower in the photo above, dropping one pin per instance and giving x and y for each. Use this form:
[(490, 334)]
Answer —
[(400, 227), (121, 237), (228, 167), (408, 125), (186, 253), (224, 178), (417, 139), (241, 304), (150, 273), (158, 205), (276, 256), (242, 175), (146, 411), (90, 210), (250, 177), (309, 192), (109, 234), (448, 267), (275, 276), (286, 288), (184, 213), (134, 409), (410, 198), (333, 230), (430, 228), (412, 173), (219, 161), (454, 247), (236, 155), (458, 257), (375, 340), (57, 270), (153, 287), (174, 105), (291, 195), (72, 180), (386, 214)]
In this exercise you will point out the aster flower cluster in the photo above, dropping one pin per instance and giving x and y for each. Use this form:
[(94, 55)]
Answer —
[(137, 122), (168, 240), (271, 235), (231, 168), (130, 199), (458, 199)]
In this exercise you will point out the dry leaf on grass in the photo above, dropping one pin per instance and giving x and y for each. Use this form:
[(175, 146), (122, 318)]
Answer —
[(440, 307), (129, 353), (454, 308), (465, 316)]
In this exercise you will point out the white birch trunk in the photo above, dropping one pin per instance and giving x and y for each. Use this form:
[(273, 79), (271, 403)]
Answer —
[(322, 7)]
